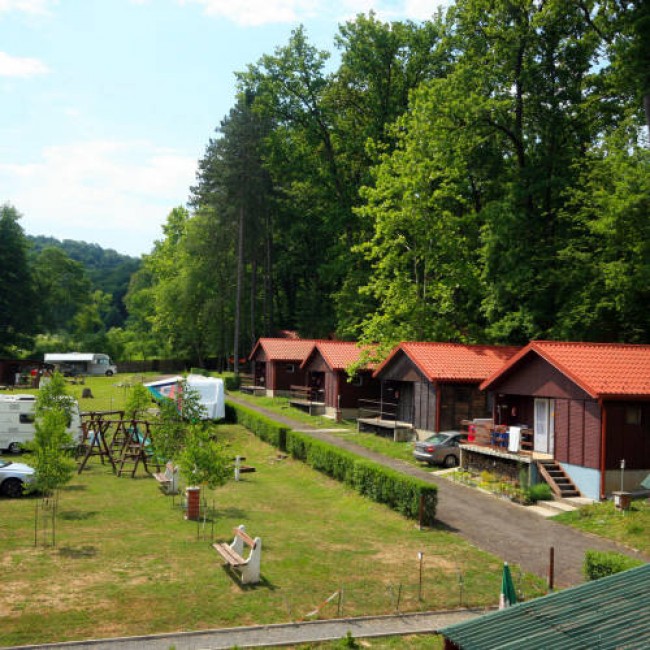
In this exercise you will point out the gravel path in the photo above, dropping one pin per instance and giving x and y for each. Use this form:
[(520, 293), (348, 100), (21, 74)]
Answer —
[(262, 636)]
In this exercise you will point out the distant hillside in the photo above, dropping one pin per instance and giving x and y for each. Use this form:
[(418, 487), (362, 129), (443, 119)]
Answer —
[(107, 269)]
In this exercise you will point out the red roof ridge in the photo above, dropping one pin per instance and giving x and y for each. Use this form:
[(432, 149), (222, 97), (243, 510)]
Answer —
[(599, 375)]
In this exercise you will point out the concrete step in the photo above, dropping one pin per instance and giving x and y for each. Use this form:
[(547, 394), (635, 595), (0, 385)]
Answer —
[(556, 506), (541, 511)]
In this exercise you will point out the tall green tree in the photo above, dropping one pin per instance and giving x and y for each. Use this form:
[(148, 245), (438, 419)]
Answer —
[(17, 296), (63, 287)]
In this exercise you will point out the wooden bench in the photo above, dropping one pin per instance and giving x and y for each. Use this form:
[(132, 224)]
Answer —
[(248, 569), (168, 479)]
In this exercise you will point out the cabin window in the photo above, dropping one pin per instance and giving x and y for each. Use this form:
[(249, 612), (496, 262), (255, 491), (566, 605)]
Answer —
[(633, 415), (291, 367), (27, 418), (357, 380)]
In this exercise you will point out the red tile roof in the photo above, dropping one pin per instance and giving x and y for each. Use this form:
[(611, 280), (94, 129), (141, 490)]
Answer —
[(600, 369), (284, 349), (453, 361), (338, 355)]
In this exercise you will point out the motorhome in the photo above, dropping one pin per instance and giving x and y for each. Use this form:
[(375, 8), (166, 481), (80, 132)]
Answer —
[(81, 363), (17, 416)]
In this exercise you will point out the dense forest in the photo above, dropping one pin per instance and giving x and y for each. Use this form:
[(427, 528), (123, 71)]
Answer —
[(58, 295), (483, 177)]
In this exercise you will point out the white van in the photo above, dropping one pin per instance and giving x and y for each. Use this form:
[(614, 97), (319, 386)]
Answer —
[(17, 415), (81, 363)]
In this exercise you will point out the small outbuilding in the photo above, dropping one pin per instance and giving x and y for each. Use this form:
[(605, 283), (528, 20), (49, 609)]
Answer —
[(588, 407), (430, 387), (328, 382), (276, 364)]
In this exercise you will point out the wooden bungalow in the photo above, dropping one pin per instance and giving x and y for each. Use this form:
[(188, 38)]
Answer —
[(588, 407), (328, 383), (430, 387), (275, 365)]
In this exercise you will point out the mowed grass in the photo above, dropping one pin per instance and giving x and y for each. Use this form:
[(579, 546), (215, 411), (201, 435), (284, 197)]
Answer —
[(126, 562), (631, 527)]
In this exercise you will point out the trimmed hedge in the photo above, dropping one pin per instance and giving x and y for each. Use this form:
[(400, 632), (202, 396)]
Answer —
[(600, 564), (326, 458), (400, 492), (265, 428)]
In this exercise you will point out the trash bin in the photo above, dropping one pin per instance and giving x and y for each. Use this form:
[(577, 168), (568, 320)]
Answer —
[(622, 500)]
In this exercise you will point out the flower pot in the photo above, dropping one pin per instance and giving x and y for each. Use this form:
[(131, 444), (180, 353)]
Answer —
[(193, 495)]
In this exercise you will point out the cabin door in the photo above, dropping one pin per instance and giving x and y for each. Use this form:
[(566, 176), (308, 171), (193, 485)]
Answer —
[(544, 425)]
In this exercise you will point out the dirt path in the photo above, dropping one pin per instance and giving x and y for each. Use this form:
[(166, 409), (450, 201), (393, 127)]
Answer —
[(506, 530)]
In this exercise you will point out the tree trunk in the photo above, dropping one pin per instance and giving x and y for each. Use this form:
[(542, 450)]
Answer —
[(646, 106), (253, 338), (240, 282), (268, 279)]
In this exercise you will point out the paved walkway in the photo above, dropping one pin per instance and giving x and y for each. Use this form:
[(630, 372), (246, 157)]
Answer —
[(261, 636), (510, 531)]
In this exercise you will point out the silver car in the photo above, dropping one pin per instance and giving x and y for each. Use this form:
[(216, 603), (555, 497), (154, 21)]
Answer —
[(13, 478), (441, 448)]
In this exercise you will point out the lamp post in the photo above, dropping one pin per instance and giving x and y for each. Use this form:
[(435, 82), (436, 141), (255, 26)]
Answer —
[(421, 560)]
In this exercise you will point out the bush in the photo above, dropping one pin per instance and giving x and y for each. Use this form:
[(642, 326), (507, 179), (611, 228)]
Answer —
[(600, 564), (396, 490), (330, 460), (539, 492), (232, 382), (265, 428)]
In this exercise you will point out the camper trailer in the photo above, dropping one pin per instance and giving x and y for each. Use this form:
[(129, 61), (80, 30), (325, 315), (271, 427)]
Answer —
[(81, 363), (17, 415)]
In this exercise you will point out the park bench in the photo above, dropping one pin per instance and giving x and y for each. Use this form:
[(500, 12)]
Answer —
[(248, 569), (168, 479)]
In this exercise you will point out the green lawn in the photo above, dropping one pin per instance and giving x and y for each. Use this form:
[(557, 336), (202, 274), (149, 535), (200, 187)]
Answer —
[(631, 528), (127, 562)]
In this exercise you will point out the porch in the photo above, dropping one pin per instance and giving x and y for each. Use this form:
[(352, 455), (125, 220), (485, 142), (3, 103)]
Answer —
[(308, 399), (380, 417), (251, 385)]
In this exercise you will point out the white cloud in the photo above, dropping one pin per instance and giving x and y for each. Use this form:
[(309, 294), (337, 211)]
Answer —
[(262, 12), (27, 6), (14, 66), (258, 12), (116, 194)]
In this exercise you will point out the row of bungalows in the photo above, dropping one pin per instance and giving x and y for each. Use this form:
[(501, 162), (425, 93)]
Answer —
[(313, 374), (574, 414)]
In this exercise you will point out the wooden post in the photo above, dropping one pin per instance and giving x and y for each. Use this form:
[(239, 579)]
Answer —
[(551, 569)]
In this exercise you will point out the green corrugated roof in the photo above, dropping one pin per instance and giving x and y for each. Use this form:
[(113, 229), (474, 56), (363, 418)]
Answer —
[(612, 612)]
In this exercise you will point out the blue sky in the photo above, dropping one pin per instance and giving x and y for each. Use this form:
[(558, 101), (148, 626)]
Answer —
[(107, 105)]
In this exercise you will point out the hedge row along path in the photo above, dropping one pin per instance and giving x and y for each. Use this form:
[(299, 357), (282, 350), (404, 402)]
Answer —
[(507, 530)]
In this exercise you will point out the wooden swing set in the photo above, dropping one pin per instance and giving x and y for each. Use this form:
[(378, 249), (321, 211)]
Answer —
[(123, 442)]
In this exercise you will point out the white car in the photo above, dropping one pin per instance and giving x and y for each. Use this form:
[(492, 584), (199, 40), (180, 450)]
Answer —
[(13, 478)]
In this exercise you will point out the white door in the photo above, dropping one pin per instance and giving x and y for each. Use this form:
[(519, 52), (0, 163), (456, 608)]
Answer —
[(544, 425)]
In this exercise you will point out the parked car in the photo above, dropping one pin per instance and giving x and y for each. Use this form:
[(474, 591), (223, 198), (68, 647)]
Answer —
[(13, 477), (440, 448)]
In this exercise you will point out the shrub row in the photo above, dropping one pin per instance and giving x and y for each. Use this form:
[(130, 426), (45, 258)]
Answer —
[(600, 564), (410, 496), (268, 430)]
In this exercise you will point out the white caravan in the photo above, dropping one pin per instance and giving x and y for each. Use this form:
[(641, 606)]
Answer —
[(81, 363), (17, 415)]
